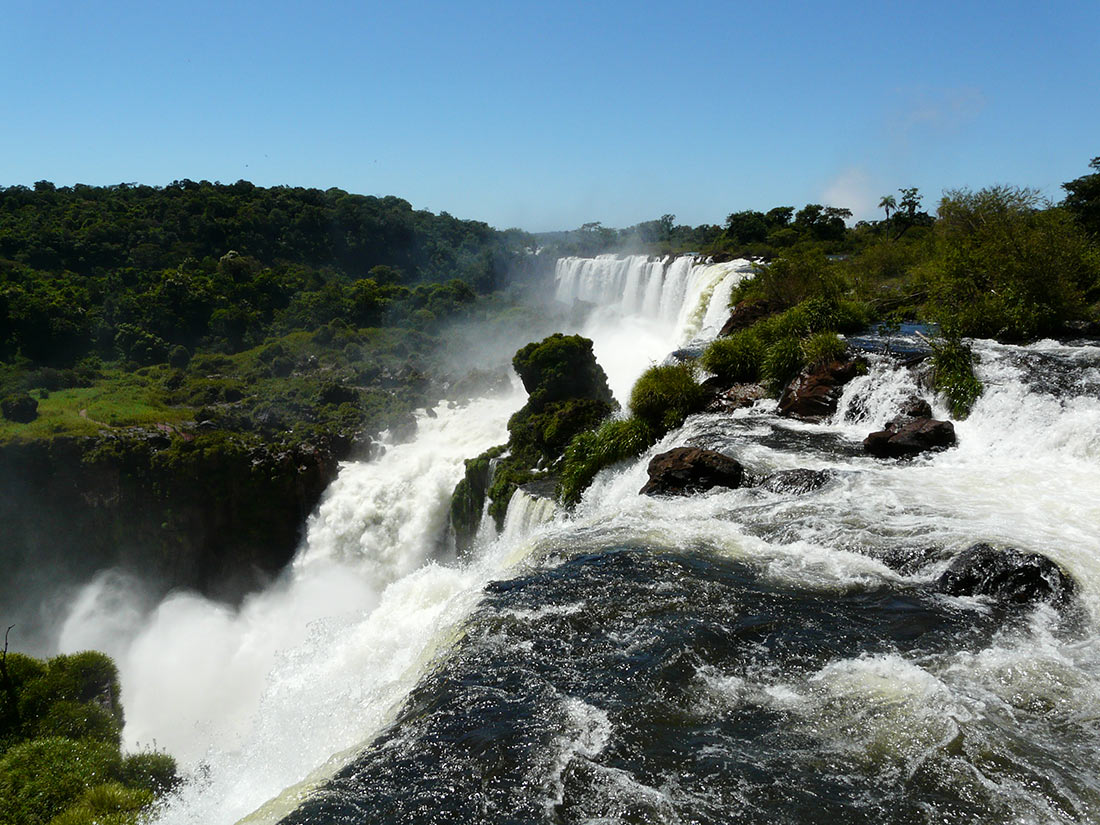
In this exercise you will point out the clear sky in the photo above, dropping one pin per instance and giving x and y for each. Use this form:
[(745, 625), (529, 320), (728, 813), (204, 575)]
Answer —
[(548, 115)]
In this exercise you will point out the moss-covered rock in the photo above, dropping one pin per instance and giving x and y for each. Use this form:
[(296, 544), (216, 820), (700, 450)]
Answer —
[(468, 499), (560, 367), (567, 394)]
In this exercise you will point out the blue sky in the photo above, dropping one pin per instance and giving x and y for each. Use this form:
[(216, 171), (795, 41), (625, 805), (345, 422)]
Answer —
[(549, 115)]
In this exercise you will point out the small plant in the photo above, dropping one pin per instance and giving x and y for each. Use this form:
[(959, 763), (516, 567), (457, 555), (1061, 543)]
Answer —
[(953, 365), (823, 348), (781, 363), (666, 395), (589, 452), (736, 359)]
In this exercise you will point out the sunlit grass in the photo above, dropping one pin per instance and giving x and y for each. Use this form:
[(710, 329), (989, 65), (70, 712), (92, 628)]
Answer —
[(118, 399)]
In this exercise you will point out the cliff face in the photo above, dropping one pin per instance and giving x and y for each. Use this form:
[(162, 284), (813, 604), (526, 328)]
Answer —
[(214, 513)]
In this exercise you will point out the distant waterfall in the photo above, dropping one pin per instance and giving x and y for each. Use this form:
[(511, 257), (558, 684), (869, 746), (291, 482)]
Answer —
[(644, 308), (690, 297)]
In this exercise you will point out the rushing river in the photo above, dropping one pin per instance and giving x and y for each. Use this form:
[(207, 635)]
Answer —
[(736, 656)]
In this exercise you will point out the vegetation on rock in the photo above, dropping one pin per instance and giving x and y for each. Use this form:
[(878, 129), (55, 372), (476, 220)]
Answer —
[(59, 745)]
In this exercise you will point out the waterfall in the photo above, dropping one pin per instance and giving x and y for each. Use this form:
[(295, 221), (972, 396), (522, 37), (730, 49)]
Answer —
[(643, 309), (657, 659)]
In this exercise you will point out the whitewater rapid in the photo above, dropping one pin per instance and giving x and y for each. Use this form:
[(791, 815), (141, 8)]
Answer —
[(741, 653)]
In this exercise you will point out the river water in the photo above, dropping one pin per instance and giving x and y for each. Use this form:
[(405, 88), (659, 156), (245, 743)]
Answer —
[(737, 656)]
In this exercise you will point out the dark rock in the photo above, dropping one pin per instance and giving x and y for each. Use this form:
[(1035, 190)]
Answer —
[(915, 407), (1006, 575), (910, 436), (814, 394), (908, 560), (745, 314), (221, 515), (404, 428), (686, 470), (725, 398), (796, 481)]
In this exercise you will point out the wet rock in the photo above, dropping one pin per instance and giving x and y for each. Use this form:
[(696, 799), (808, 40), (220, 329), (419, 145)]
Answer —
[(725, 398), (745, 314), (796, 481), (908, 560), (814, 394), (904, 437), (915, 407), (1006, 575), (686, 470)]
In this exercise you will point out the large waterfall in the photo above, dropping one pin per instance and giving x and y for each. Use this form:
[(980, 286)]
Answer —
[(737, 656)]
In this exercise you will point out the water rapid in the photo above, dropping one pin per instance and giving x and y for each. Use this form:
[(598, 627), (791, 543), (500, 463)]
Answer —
[(736, 656)]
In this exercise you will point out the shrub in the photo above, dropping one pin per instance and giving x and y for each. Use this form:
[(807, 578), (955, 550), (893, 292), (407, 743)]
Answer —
[(736, 359), (666, 395), (953, 365), (782, 362), (78, 720), (81, 677), (106, 804), (591, 451), (39, 778), (823, 348), (560, 367), (151, 771), (20, 407), (541, 436)]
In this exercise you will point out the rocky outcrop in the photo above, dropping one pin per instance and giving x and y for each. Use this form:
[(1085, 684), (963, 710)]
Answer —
[(814, 394), (1008, 576), (686, 470), (745, 314), (213, 512), (906, 436)]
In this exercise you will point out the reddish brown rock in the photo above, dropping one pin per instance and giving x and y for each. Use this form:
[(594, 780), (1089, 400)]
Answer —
[(686, 470), (814, 394)]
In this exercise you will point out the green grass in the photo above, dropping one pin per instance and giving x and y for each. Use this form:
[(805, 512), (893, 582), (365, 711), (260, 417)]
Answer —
[(117, 399)]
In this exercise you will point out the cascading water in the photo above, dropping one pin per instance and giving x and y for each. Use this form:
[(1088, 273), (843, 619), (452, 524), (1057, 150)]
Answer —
[(737, 656), (643, 309)]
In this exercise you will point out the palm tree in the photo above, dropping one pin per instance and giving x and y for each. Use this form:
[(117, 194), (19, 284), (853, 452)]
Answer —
[(887, 203)]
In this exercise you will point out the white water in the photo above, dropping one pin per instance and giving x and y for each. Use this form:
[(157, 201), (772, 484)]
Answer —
[(644, 309), (307, 671), (233, 694), (256, 699)]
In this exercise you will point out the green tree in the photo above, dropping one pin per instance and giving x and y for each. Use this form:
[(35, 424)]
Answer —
[(1007, 268), (1083, 198)]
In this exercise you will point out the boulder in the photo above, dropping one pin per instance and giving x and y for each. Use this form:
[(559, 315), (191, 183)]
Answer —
[(814, 394), (796, 481), (906, 436), (686, 470), (1006, 575)]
